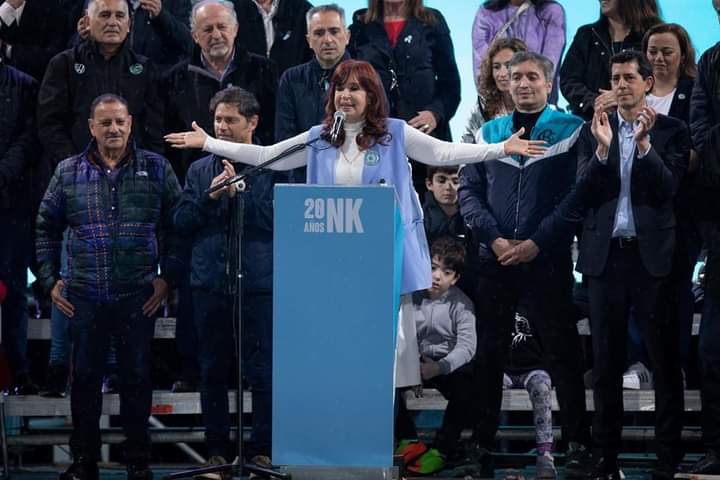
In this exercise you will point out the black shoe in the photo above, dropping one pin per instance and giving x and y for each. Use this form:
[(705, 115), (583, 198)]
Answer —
[(708, 465), (56, 383), (81, 469), (23, 385), (578, 461), (604, 469), (181, 386), (139, 471)]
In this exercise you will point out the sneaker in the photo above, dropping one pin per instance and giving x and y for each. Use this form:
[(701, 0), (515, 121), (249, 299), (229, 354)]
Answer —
[(578, 461), (545, 466), (429, 462), (637, 377), (81, 469), (213, 461), (56, 383), (410, 450)]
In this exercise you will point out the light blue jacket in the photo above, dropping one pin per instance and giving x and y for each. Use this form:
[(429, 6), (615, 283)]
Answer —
[(384, 164)]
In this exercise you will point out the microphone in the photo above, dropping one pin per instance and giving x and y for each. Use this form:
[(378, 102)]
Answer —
[(338, 121)]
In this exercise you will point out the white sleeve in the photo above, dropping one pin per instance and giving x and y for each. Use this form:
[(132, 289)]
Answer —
[(431, 151), (256, 154)]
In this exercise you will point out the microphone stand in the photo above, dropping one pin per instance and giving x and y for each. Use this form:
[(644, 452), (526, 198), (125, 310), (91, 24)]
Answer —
[(234, 270), (252, 171)]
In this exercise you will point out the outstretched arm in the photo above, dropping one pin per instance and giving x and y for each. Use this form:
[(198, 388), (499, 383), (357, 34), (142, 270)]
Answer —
[(431, 151), (242, 152)]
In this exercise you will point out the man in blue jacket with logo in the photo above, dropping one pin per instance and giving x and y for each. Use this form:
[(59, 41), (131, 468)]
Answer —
[(513, 206)]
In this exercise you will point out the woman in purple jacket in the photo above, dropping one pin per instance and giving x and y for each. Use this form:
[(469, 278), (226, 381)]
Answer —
[(538, 23)]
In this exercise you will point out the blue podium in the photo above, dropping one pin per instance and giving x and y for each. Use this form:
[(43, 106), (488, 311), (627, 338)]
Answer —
[(337, 264)]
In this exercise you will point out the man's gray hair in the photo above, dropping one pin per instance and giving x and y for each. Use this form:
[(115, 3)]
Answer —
[(545, 64), (330, 7), (229, 6)]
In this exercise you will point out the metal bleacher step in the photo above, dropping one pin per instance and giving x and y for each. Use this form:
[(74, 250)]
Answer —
[(168, 403), (39, 328), (519, 400), (163, 403)]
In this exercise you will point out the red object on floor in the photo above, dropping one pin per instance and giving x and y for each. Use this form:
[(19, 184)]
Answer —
[(3, 291)]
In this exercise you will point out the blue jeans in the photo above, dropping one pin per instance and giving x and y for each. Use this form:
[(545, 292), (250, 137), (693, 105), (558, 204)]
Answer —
[(214, 323), (92, 327), (61, 343)]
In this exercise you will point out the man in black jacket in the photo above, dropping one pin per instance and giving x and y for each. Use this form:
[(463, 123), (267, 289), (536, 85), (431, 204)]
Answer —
[(159, 30), (31, 33), (302, 93), (217, 62), (631, 164), (274, 29), (206, 220), (102, 64), (18, 152)]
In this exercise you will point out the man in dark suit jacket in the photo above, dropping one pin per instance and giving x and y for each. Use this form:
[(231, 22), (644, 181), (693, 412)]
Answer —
[(630, 165), (31, 34)]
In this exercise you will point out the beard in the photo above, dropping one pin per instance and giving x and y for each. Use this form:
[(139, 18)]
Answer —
[(218, 52)]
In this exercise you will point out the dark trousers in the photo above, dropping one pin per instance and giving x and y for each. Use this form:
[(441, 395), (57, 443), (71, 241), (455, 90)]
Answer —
[(625, 283), (456, 388), (214, 324), (709, 353), (92, 326), (544, 287), (15, 244)]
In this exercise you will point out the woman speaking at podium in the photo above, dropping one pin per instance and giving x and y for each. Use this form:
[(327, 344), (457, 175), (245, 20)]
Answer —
[(369, 148)]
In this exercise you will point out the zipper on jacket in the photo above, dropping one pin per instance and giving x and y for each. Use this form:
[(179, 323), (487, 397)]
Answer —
[(519, 185), (517, 202)]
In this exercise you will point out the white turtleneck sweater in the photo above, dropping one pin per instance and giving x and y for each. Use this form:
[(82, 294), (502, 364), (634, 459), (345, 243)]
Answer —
[(349, 161)]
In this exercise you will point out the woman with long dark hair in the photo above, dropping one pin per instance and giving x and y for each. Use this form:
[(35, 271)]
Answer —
[(540, 24), (493, 82), (370, 147), (585, 72)]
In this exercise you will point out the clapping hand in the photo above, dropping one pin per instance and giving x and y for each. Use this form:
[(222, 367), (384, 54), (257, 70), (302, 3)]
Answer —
[(646, 118), (153, 7), (527, 148), (600, 129), (606, 101), (194, 139), (228, 172)]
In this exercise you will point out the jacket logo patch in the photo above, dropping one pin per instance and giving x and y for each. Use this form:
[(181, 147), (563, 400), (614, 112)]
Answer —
[(408, 39), (136, 69), (548, 136), (141, 173), (79, 68), (371, 158)]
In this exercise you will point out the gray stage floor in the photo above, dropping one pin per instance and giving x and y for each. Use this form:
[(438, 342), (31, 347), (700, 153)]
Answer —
[(50, 473)]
